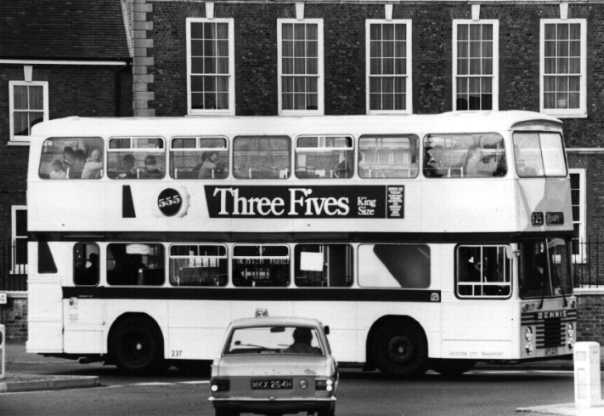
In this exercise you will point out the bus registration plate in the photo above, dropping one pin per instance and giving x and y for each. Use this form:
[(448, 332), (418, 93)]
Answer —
[(272, 384)]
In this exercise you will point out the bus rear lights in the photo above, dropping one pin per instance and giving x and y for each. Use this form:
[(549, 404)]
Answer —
[(554, 218), (220, 384), (571, 334), (537, 218), (529, 340)]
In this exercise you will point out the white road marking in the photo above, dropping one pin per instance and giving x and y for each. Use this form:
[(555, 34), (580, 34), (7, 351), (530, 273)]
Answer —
[(195, 382), (152, 383)]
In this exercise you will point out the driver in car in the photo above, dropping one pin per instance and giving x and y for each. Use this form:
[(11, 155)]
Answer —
[(302, 339)]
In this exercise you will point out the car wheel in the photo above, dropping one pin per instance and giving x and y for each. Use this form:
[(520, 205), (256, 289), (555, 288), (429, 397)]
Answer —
[(451, 368), (225, 412), (399, 348), (330, 411), (136, 346)]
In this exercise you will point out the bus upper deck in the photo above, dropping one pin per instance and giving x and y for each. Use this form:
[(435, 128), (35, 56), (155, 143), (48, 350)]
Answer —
[(453, 172)]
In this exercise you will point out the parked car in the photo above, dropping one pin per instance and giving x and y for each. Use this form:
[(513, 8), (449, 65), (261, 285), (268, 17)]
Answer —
[(275, 366)]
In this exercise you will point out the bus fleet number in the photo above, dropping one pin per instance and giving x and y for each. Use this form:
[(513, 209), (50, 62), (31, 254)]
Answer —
[(176, 354)]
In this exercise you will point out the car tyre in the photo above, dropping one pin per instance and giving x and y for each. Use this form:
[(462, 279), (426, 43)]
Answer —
[(400, 349), (330, 411), (136, 346), (451, 368), (224, 412)]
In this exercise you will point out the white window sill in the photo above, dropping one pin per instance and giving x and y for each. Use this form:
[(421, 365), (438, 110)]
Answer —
[(558, 114), (301, 113), (389, 112), (210, 113), (14, 142)]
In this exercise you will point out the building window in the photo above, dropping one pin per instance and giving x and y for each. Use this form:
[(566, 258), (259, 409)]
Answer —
[(210, 66), (28, 105), (578, 201), (300, 65), (475, 64), (563, 67), (388, 66), (19, 239)]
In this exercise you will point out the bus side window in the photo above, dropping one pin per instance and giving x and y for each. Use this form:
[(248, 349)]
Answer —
[(72, 158), (260, 265), (136, 158), (324, 265), (483, 271), (198, 265), (86, 264), (199, 158), (135, 264), (394, 265), (388, 156), (261, 157), (324, 157)]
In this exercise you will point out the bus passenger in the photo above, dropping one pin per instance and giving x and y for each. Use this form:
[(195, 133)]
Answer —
[(79, 160), (434, 166), (93, 166), (151, 171), (477, 164), (209, 164), (128, 171), (57, 170), (68, 156)]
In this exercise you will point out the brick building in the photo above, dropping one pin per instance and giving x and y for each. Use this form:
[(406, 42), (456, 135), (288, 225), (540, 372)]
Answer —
[(57, 58), (264, 57)]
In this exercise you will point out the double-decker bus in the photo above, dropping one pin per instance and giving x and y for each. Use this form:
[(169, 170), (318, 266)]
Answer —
[(424, 241)]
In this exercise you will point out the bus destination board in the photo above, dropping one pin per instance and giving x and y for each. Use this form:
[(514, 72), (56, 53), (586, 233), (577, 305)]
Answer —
[(305, 201)]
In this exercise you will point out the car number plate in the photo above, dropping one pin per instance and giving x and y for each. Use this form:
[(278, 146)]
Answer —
[(272, 384)]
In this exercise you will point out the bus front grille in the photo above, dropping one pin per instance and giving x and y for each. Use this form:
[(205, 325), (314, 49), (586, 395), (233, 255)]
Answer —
[(550, 333)]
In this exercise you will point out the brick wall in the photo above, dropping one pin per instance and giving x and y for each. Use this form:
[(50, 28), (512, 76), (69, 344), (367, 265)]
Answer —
[(590, 316), (14, 316)]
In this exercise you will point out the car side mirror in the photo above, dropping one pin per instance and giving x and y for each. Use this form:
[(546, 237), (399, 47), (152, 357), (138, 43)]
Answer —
[(326, 329)]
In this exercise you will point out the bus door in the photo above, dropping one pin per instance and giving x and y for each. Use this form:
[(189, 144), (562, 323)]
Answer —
[(45, 308), (477, 315)]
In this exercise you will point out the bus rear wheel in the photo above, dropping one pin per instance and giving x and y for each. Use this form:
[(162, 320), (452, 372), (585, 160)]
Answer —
[(135, 346), (400, 349), (451, 367)]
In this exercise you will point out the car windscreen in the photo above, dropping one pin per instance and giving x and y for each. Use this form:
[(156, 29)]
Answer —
[(274, 339)]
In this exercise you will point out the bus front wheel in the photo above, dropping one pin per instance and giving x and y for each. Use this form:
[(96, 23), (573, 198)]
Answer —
[(400, 349), (136, 346)]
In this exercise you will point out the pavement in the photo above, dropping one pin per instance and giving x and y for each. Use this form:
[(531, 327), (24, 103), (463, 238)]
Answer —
[(28, 372)]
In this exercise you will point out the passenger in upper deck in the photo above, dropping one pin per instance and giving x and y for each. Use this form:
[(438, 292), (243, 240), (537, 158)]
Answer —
[(477, 164), (93, 165), (151, 171), (209, 165), (128, 170), (68, 156), (433, 164), (57, 170), (77, 167)]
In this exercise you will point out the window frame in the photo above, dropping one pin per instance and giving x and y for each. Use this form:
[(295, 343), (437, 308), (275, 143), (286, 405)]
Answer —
[(232, 258), (409, 66), (495, 57), (104, 266), (132, 149), (317, 149), (290, 161), (74, 269), (16, 268), (297, 260), (320, 67), (21, 140), (581, 257), (231, 41), (226, 257), (199, 150), (581, 111), (481, 282), (514, 132), (409, 136)]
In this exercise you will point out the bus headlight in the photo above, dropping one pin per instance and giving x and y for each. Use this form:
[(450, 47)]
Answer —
[(529, 339), (571, 335)]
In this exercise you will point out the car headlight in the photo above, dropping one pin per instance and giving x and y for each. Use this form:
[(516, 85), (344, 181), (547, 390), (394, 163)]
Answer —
[(219, 384)]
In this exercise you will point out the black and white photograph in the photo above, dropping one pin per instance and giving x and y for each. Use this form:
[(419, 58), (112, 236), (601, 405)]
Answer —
[(301, 207)]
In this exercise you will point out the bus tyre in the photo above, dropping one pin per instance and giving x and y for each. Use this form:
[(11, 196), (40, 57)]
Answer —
[(400, 349), (136, 346), (450, 367)]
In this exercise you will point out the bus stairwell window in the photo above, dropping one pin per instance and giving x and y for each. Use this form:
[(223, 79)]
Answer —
[(257, 265), (86, 264), (72, 158), (399, 265), (324, 265), (135, 264)]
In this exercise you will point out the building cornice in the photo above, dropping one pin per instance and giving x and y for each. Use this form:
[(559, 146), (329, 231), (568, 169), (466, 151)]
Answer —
[(62, 62)]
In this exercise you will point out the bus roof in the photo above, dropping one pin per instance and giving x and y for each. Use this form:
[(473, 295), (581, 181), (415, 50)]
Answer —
[(451, 122)]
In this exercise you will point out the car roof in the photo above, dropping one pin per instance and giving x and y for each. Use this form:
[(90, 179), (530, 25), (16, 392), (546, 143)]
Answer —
[(275, 320)]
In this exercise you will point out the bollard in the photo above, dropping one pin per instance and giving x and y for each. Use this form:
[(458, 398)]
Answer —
[(586, 359), (2, 352)]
